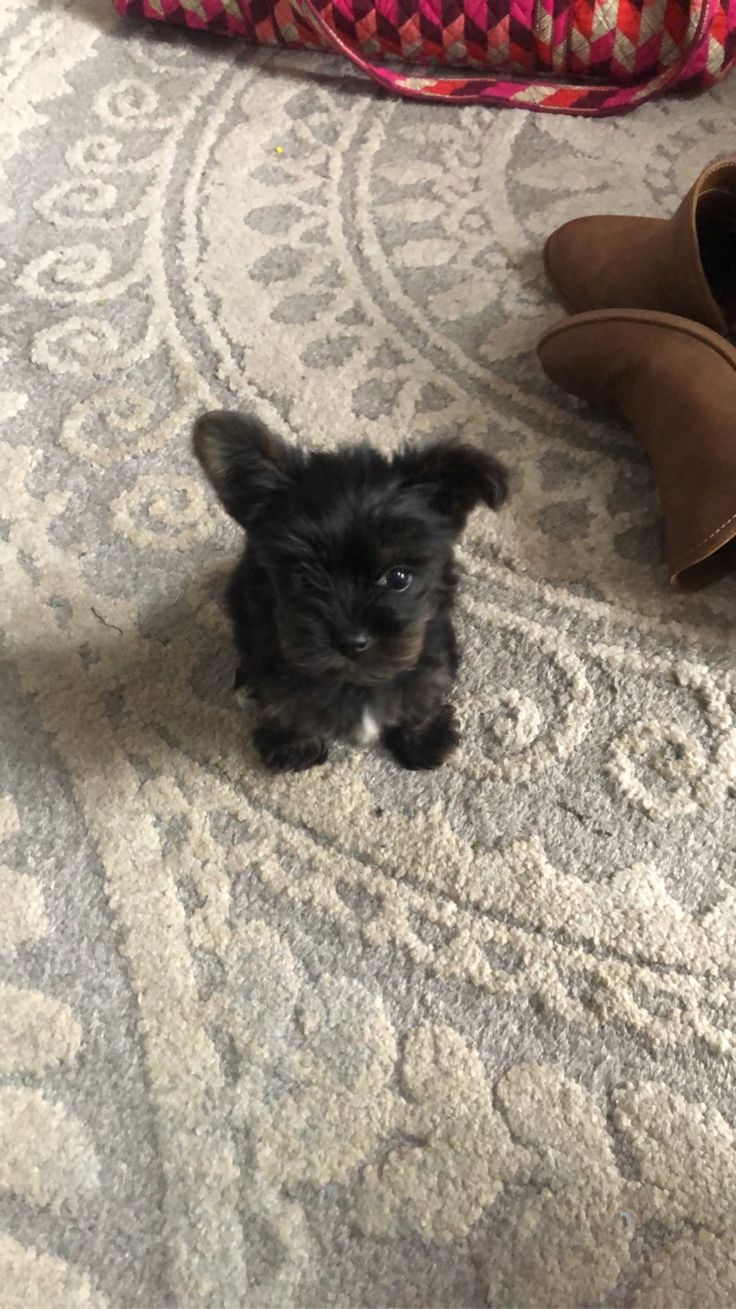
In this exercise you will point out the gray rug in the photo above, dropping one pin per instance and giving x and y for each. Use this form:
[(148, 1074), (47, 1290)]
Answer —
[(360, 1038)]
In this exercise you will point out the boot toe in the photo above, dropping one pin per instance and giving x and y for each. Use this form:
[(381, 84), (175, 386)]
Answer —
[(675, 381), (561, 256), (584, 262)]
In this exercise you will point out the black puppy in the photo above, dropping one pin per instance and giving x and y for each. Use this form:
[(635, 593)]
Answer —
[(342, 601)]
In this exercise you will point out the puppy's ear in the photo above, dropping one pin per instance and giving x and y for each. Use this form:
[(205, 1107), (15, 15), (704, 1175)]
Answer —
[(246, 464), (456, 478)]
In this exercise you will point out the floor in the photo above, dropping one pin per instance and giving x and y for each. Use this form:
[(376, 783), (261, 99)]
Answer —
[(359, 1037)]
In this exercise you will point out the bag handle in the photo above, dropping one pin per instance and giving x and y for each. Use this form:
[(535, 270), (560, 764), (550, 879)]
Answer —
[(593, 99)]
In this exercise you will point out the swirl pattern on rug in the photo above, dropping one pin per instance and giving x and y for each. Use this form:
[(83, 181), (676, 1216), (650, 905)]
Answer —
[(358, 1037)]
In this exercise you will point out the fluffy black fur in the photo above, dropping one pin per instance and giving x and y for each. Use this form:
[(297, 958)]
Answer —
[(341, 603)]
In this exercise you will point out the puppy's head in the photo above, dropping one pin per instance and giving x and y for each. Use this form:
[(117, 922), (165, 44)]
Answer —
[(357, 546)]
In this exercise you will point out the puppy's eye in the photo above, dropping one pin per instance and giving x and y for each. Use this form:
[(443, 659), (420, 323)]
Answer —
[(397, 579)]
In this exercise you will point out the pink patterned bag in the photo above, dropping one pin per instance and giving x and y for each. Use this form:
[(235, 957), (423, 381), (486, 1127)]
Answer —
[(587, 57)]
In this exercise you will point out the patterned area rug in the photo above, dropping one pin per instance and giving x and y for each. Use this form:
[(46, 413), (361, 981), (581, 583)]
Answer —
[(360, 1038)]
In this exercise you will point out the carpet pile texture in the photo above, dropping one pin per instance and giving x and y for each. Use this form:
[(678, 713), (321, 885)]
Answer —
[(360, 1037)]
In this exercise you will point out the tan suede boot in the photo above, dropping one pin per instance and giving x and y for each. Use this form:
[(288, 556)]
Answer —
[(683, 265), (675, 381)]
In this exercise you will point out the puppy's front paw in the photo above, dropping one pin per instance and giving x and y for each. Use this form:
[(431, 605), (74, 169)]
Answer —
[(423, 747), (284, 752)]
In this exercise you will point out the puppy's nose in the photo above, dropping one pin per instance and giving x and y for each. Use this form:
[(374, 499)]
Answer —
[(354, 644)]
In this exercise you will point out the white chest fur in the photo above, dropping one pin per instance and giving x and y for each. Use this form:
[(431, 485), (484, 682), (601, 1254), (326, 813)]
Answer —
[(367, 729)]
